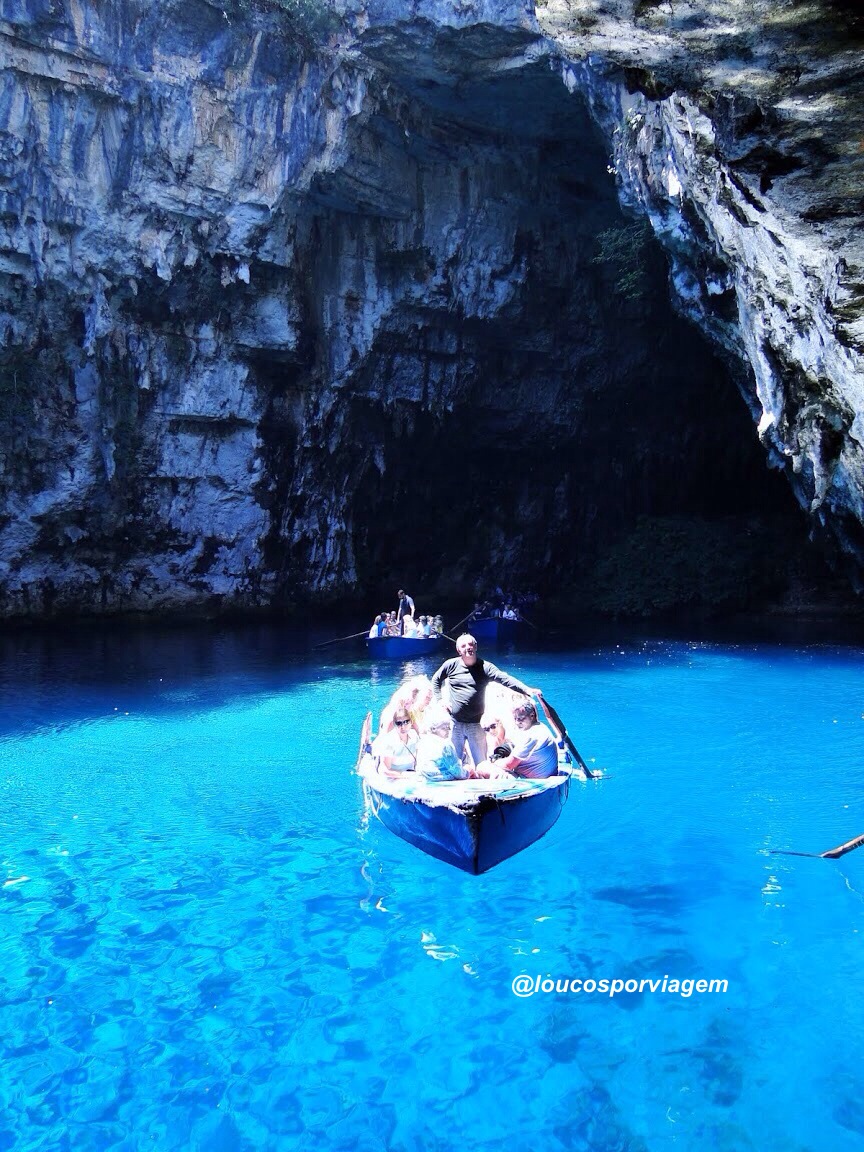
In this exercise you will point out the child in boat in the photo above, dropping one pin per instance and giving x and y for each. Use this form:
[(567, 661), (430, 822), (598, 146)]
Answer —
[(436, 756)]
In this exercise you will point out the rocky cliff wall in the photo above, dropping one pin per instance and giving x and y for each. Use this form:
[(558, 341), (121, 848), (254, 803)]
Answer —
[(282, 323), (734, 129)]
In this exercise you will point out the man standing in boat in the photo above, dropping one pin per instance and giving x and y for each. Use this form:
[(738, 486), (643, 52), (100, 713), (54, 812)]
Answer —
[(406, 608), (467, 676)]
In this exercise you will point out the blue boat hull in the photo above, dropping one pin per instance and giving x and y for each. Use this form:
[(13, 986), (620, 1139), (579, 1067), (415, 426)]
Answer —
[(496, 629), (477, 835), (403, 647)]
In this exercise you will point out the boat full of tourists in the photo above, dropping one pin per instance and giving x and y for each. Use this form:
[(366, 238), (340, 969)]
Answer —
[(403, 647), (499, 617), (394, 636), (471, 824)]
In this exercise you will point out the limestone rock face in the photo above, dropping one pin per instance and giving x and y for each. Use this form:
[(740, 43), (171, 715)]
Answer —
[(733, 126), (279, 322)]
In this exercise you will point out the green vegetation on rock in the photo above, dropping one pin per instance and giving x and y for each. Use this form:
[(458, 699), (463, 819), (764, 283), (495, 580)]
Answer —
[(624, 251), (668, 563), (312, 20)]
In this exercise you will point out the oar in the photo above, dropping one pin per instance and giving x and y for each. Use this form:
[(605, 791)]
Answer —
[(831, 854), (365, 746), (556, 720), (365, 632)]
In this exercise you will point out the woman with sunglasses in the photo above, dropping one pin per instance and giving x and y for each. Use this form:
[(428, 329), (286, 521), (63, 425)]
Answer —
[(397, 750)]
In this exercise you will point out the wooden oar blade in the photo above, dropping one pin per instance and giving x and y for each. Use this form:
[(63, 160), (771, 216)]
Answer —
[(842, 849), (338, 639), (831, 854), (365, 734), (787, 852)]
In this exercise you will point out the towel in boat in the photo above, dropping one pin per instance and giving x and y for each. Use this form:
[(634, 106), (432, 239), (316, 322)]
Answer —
[(455, 793)]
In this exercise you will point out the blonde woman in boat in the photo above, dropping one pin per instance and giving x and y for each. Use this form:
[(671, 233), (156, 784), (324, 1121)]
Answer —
[(396, 750), (414, 696)]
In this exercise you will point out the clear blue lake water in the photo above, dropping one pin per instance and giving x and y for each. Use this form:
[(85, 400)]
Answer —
[(205, 943)]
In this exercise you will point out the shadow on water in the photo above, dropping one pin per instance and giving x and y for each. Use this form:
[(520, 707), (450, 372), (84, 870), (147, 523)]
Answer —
[(62, 675)]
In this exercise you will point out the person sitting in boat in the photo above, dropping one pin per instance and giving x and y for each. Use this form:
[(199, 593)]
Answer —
[(410, 627), (391, 628), (436, 755), (534, 752), (412, 696), (497, 745), (396, 750), (377, 627), (467, 677), (438, 626)]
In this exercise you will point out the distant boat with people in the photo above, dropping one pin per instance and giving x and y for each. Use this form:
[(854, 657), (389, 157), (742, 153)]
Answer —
[(497, 629), (403, 647), (398, 635), (499, 618)]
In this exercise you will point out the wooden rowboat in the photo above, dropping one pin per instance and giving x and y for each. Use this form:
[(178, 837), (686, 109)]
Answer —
[(471, 824), (403, 647), (496, 629)]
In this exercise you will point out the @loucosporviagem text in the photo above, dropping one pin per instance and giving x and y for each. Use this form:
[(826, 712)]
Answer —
[(525, 985)]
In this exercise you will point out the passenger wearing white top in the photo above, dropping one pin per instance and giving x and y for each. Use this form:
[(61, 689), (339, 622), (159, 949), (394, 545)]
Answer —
[(397, 750)]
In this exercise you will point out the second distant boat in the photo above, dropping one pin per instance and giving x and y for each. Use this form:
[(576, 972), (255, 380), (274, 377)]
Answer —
[(496, 629)]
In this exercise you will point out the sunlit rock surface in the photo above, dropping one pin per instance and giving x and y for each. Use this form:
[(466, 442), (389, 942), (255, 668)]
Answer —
[(281, 324)]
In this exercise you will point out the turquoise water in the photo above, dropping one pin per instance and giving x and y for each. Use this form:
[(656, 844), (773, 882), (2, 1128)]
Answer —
[(205, 944)]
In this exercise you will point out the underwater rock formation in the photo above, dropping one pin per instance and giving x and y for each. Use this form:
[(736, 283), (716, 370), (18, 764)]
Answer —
[(285, 320)]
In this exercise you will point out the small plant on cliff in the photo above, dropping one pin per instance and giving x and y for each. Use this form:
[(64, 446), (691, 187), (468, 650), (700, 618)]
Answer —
[(312, 20), (624, 251)]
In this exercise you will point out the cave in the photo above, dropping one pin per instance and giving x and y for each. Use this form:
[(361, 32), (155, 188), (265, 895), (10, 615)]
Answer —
[(402, 314)]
